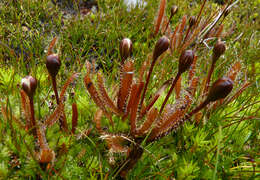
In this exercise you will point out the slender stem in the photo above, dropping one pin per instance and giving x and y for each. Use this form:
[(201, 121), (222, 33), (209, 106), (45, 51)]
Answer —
[(201, 9), (33, 122), (54, 85), (197, 109), (147, 81), (170, 91), (168, 24), (187, 33), (209, 77)]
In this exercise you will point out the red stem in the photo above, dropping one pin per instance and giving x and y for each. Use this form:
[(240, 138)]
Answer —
[(147, 81), (167, 24), (209, 77), (54, 85), (170, 91), (201, 9), (197, 109), (187, 33)]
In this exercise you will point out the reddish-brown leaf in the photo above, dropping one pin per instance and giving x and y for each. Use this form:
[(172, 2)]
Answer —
[(54, 116), (131, 99), (41, 137), (219, 31), (160, 16), (97, 119), (151, 116), (74, 118), (115, 143), (109, 103), (181, 31), (173, 38), (198, 117), (46, 156), (193, 86), (95, 96), (170, 121), (63, 120), (234, 70), (192, 69), (26, 109), (178, 88), (126, 78), (134, 108), (65, 86), (51, 46)]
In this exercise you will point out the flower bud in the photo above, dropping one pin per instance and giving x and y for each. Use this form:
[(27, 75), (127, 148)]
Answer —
[(53, 64), (220, 89), (192, 21), (218, 50), (174, 10), (29, 85), (125, 48), (185, 60), (160, 47)]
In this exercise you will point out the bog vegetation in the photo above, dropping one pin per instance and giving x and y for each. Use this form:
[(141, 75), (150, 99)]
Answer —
[(95, 90)]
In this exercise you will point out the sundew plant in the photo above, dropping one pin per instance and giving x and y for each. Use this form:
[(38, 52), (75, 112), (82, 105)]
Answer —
[(96, 89)]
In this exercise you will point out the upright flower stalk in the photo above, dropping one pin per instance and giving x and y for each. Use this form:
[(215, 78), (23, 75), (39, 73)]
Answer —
[(29, 85), (174, 10), (185, 62), (160, 47), (53, 65), (218, 50)]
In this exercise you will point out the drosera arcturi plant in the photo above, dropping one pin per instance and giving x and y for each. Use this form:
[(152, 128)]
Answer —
[(146, 123), (42, 153)]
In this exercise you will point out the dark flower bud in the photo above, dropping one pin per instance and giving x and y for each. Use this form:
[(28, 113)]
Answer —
[(220, 89), (53, 64), (29, 85), (160, 47), (185, 60), (218, 50), (192, 21), (174, 10), (125, 48)]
